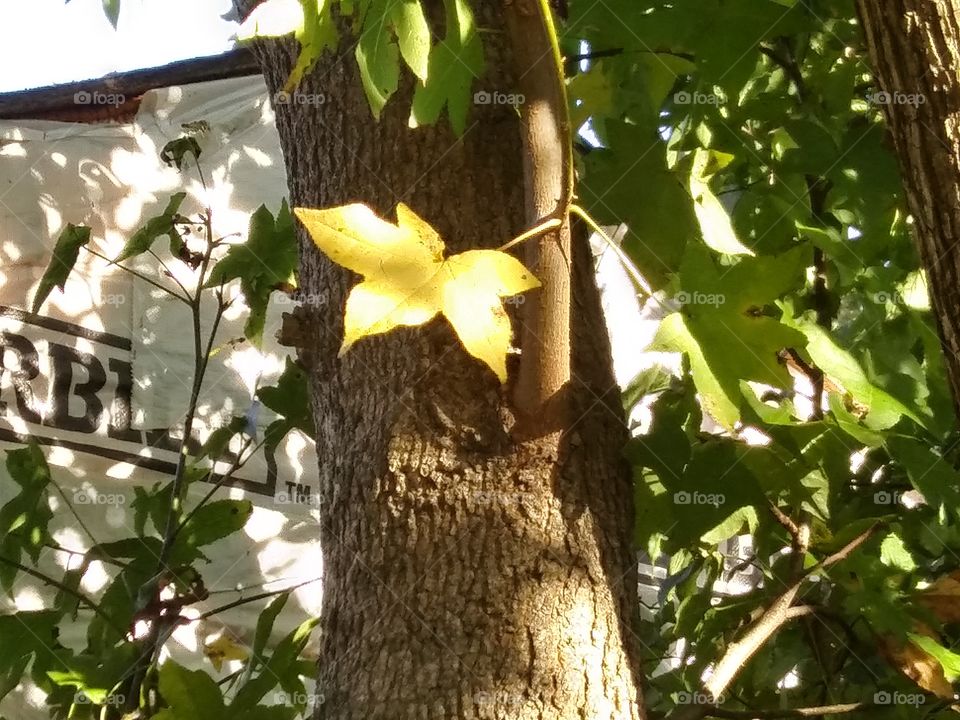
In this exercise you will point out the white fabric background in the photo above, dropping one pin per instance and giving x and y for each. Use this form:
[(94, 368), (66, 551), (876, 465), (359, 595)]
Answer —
[(110, 177)]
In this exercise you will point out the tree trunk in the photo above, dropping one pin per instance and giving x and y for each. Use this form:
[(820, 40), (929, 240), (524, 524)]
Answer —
[(915, 49), (466, 574)]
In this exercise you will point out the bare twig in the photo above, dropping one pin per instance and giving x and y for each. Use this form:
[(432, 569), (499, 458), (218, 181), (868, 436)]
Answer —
[(806, 712), (81, 598), (770, 620)]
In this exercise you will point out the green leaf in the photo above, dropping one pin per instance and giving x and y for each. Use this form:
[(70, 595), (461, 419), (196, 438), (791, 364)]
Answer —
[(93, 675), (629, 182), (219, 440), (591, 95), (649, 381), (289, 398), (894, 553), (174, 152), (453, 65), (377, 56), (928, 471), (24, 519), (153, 504), (282, 663), (120, 600), (25, 634), (319, 33), (265, 626), (267, 261), (191, 694), (715, 224), (884, 409), (723, 330), (413, 35), (210, 523), (65, 254), (162, 224), (111, 8)]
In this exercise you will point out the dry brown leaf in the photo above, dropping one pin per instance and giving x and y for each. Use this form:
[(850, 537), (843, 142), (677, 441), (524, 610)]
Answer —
[(943, 598), (918, 665)]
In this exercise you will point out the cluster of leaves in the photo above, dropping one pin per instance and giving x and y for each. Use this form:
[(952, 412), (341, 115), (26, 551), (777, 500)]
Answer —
[(156, 573), (737, 141), (387, 32)]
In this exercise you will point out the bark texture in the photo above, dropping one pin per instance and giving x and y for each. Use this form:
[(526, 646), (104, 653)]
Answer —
[(915, 49), (467, 574)]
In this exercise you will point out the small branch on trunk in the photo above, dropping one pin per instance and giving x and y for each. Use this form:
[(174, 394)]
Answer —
[(548, 189)]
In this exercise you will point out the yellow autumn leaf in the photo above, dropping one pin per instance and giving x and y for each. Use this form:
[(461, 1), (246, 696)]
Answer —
[(222, 649), (407, 280)]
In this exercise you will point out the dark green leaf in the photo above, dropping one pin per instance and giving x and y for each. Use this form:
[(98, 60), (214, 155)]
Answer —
[(163, 224), (267, 261), (65, 254)]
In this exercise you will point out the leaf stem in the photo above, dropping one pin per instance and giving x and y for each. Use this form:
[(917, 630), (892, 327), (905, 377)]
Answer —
[(617, 250), (540, 229), (139, 275)]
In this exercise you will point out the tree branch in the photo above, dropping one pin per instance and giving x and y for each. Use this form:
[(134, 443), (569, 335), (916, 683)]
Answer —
[(818, 711), (771, 620), (548, 189)]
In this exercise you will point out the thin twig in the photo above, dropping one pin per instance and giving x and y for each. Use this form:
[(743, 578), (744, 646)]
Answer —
[(140, 275), (253, 598), (169, 272), (818, 711), (771, 619), (81, 598)]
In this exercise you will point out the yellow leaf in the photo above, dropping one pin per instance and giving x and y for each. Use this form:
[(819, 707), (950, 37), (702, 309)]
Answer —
[(223, 648), (407, 280)]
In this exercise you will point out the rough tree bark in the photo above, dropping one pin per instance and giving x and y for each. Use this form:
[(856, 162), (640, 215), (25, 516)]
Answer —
[(915, 49), (467, 574)]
